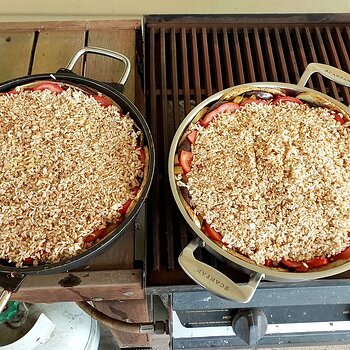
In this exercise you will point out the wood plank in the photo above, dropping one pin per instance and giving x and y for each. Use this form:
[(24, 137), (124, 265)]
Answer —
[(15, 54), (54, 49), (84, 285), (107, 69), (70, 25), (119, 256), (134, 311)]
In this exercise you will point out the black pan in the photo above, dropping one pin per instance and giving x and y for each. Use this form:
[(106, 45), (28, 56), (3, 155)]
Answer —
[(11, 277)]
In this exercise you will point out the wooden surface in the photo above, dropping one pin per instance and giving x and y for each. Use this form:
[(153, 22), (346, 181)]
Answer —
[(30, 48), (78, 286), (15, 54)]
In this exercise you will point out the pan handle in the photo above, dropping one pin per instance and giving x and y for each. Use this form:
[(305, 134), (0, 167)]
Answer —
[(103, 52), (332, 73), (4, 298), (215, 281)]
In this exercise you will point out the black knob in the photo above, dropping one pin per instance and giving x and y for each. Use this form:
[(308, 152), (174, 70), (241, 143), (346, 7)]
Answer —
[(250, 325)]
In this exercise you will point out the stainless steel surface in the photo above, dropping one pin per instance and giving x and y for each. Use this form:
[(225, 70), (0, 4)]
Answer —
[(213, 280), (271, 274), (103, 52), (4, 298)]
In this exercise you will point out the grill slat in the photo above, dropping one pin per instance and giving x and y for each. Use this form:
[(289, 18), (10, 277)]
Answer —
[(154, 125), (191, 61), (270, 56), (294, 69), (302, 55), (324, 58), (197, 80), (239, 69), (227, 55), (281, 57), (249, 58), (320, 84), (186, 83), (207, 75), (261, 64), (168, 131), (219, 84), (174, 79)]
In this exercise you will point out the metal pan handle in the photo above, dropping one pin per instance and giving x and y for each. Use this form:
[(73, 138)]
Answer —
[(103, 52), (332, 73), (215, 281), (4, 298)]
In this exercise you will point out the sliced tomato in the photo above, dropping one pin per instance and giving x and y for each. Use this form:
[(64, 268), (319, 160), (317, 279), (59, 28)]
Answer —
[(142, 154), (185, 160), (345, 254), (12, 92), (53, 87), (28, 261), (301, 269), (316, 262), (338, 118), (102, 100), (283, 99), (125, 207), (211, 233), (257, 102), (292, 264), (268, 263), (226, 107), (192, 137), (99, 233)]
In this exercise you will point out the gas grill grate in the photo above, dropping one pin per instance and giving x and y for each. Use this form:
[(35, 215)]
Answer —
[(189, 59)]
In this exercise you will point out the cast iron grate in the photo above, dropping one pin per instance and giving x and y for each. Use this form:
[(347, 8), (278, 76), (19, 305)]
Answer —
[(189, 59)]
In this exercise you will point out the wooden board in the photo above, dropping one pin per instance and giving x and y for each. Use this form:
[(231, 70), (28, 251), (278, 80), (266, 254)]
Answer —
[(54, 49), (70, 25), (78, 286), (15, 54), (107, 69)]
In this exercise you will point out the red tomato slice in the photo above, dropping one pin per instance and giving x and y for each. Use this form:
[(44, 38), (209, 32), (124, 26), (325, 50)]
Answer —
[(102, 100), (125, 207), (28, 261), (12, 92), (345, 254), (338, 118), (99, 233), (269, 263), (185, 160), (193, 136), (283, 99), (292, 264), (211, 233), (55, 88), (226, 107), (301, 269), (257, 102), (142, 154), (317, 262)]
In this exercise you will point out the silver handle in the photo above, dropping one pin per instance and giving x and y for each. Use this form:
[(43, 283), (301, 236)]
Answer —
[(4, 298), (332, 73), (103, 52), (215, 281)]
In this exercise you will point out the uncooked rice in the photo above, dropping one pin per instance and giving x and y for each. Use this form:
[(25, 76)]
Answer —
[(274, 180), (67, 166)]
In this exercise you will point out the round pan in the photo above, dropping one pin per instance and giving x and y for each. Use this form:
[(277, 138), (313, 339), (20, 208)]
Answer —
[(204, 274), (10, 276)]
